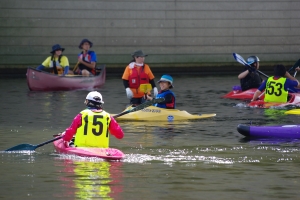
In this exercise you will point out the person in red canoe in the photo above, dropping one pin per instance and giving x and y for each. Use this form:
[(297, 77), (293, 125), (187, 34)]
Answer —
[(58, 63), (87, 59), (250, 78), (91, 125), (276, 87), (165, 83)]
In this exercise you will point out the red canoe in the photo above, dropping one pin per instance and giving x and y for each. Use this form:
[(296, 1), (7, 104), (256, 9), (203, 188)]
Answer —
[(294, 100), (104, 153), (43, 81)]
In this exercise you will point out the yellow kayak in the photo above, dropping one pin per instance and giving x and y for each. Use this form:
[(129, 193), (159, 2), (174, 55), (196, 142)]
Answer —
[(153, 113), (293, 112)]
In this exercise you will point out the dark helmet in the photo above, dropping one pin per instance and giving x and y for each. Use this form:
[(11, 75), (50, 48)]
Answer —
[(252, 59), (279, 70)]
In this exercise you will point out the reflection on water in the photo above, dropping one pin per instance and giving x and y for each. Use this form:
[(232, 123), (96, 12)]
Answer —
[(90, 178)]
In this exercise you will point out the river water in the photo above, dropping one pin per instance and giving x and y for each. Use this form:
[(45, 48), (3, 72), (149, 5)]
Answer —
[(204, 159)]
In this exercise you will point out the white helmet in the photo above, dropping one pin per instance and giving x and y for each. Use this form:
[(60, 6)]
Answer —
[(95, 96)]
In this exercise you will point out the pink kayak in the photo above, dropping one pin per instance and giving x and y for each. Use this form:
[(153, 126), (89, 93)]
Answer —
[(105, 153)]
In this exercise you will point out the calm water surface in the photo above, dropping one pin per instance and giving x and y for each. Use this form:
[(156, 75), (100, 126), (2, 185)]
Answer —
[(205, 159)]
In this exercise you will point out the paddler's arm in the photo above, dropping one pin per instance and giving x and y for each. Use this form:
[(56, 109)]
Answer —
[(41, 67), (155, 91), (71, 131), (259, 91), (126, 83), (91, 65), (289, 76), (128, 91), (256, 95), (243, 74), (115, 129), (66, 70)]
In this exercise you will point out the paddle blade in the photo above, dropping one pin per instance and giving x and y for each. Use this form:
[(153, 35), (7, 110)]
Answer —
[(240, 59), (30, 147), (22, 147), (145, 88)]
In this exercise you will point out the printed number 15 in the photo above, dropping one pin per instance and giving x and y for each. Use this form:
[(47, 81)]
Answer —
[(96, 122)]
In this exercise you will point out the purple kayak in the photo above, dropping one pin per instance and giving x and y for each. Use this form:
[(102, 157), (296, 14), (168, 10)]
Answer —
[(283, 131)]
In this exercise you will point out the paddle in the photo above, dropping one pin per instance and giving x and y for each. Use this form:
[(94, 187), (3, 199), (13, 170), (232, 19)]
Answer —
[(297, 64), (30, 147), (145, 88), (241, 60), (75, 68)]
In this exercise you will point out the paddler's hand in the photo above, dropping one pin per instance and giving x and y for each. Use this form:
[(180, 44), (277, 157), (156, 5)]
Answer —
[(149, 97), (129, 93), (251, 69), (66, 144), (155, 92)]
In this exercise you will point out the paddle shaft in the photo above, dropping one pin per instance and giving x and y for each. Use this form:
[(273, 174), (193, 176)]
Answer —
[(297, 64), (241, 60), (76, 66), (47, 142)]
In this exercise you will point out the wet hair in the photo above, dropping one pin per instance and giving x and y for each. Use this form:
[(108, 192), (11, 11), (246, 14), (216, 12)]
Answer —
[(93, 104), (279, 70)]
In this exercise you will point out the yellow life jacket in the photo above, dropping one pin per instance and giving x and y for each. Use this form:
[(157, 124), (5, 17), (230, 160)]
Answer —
[(93, 131), (275, 91)]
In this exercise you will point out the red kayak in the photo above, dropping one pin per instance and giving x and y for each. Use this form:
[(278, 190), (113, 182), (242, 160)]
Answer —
[(104, 153), (237, 93), (43, 81), (294, 100)]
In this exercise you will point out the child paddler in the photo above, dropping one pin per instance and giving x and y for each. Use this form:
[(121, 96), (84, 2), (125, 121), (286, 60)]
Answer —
[(276, 87), (87, 59), (91, 125), (58, 63), (165, 83)]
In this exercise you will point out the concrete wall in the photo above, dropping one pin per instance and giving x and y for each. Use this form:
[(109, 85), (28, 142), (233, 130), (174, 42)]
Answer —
[(172, 32)]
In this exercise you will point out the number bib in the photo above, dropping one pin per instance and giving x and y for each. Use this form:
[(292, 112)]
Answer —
[(275, 91), (93, 131)]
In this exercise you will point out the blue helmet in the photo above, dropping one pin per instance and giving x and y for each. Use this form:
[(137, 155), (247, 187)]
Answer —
[(252, 59), (167, 78)]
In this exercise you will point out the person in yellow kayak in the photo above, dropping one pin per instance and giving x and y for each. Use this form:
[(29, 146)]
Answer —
[(276, 87), (91, 125), (58, 63), (135, 74), (165, 83)]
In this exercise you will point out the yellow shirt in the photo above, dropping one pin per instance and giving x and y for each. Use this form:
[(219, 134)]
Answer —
[(63, 62)]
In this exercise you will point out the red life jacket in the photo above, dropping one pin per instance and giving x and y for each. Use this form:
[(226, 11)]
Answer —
[(137, 77)]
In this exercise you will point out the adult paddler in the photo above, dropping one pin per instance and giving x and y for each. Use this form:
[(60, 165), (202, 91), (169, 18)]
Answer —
[(135, 74), (276, 87)]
